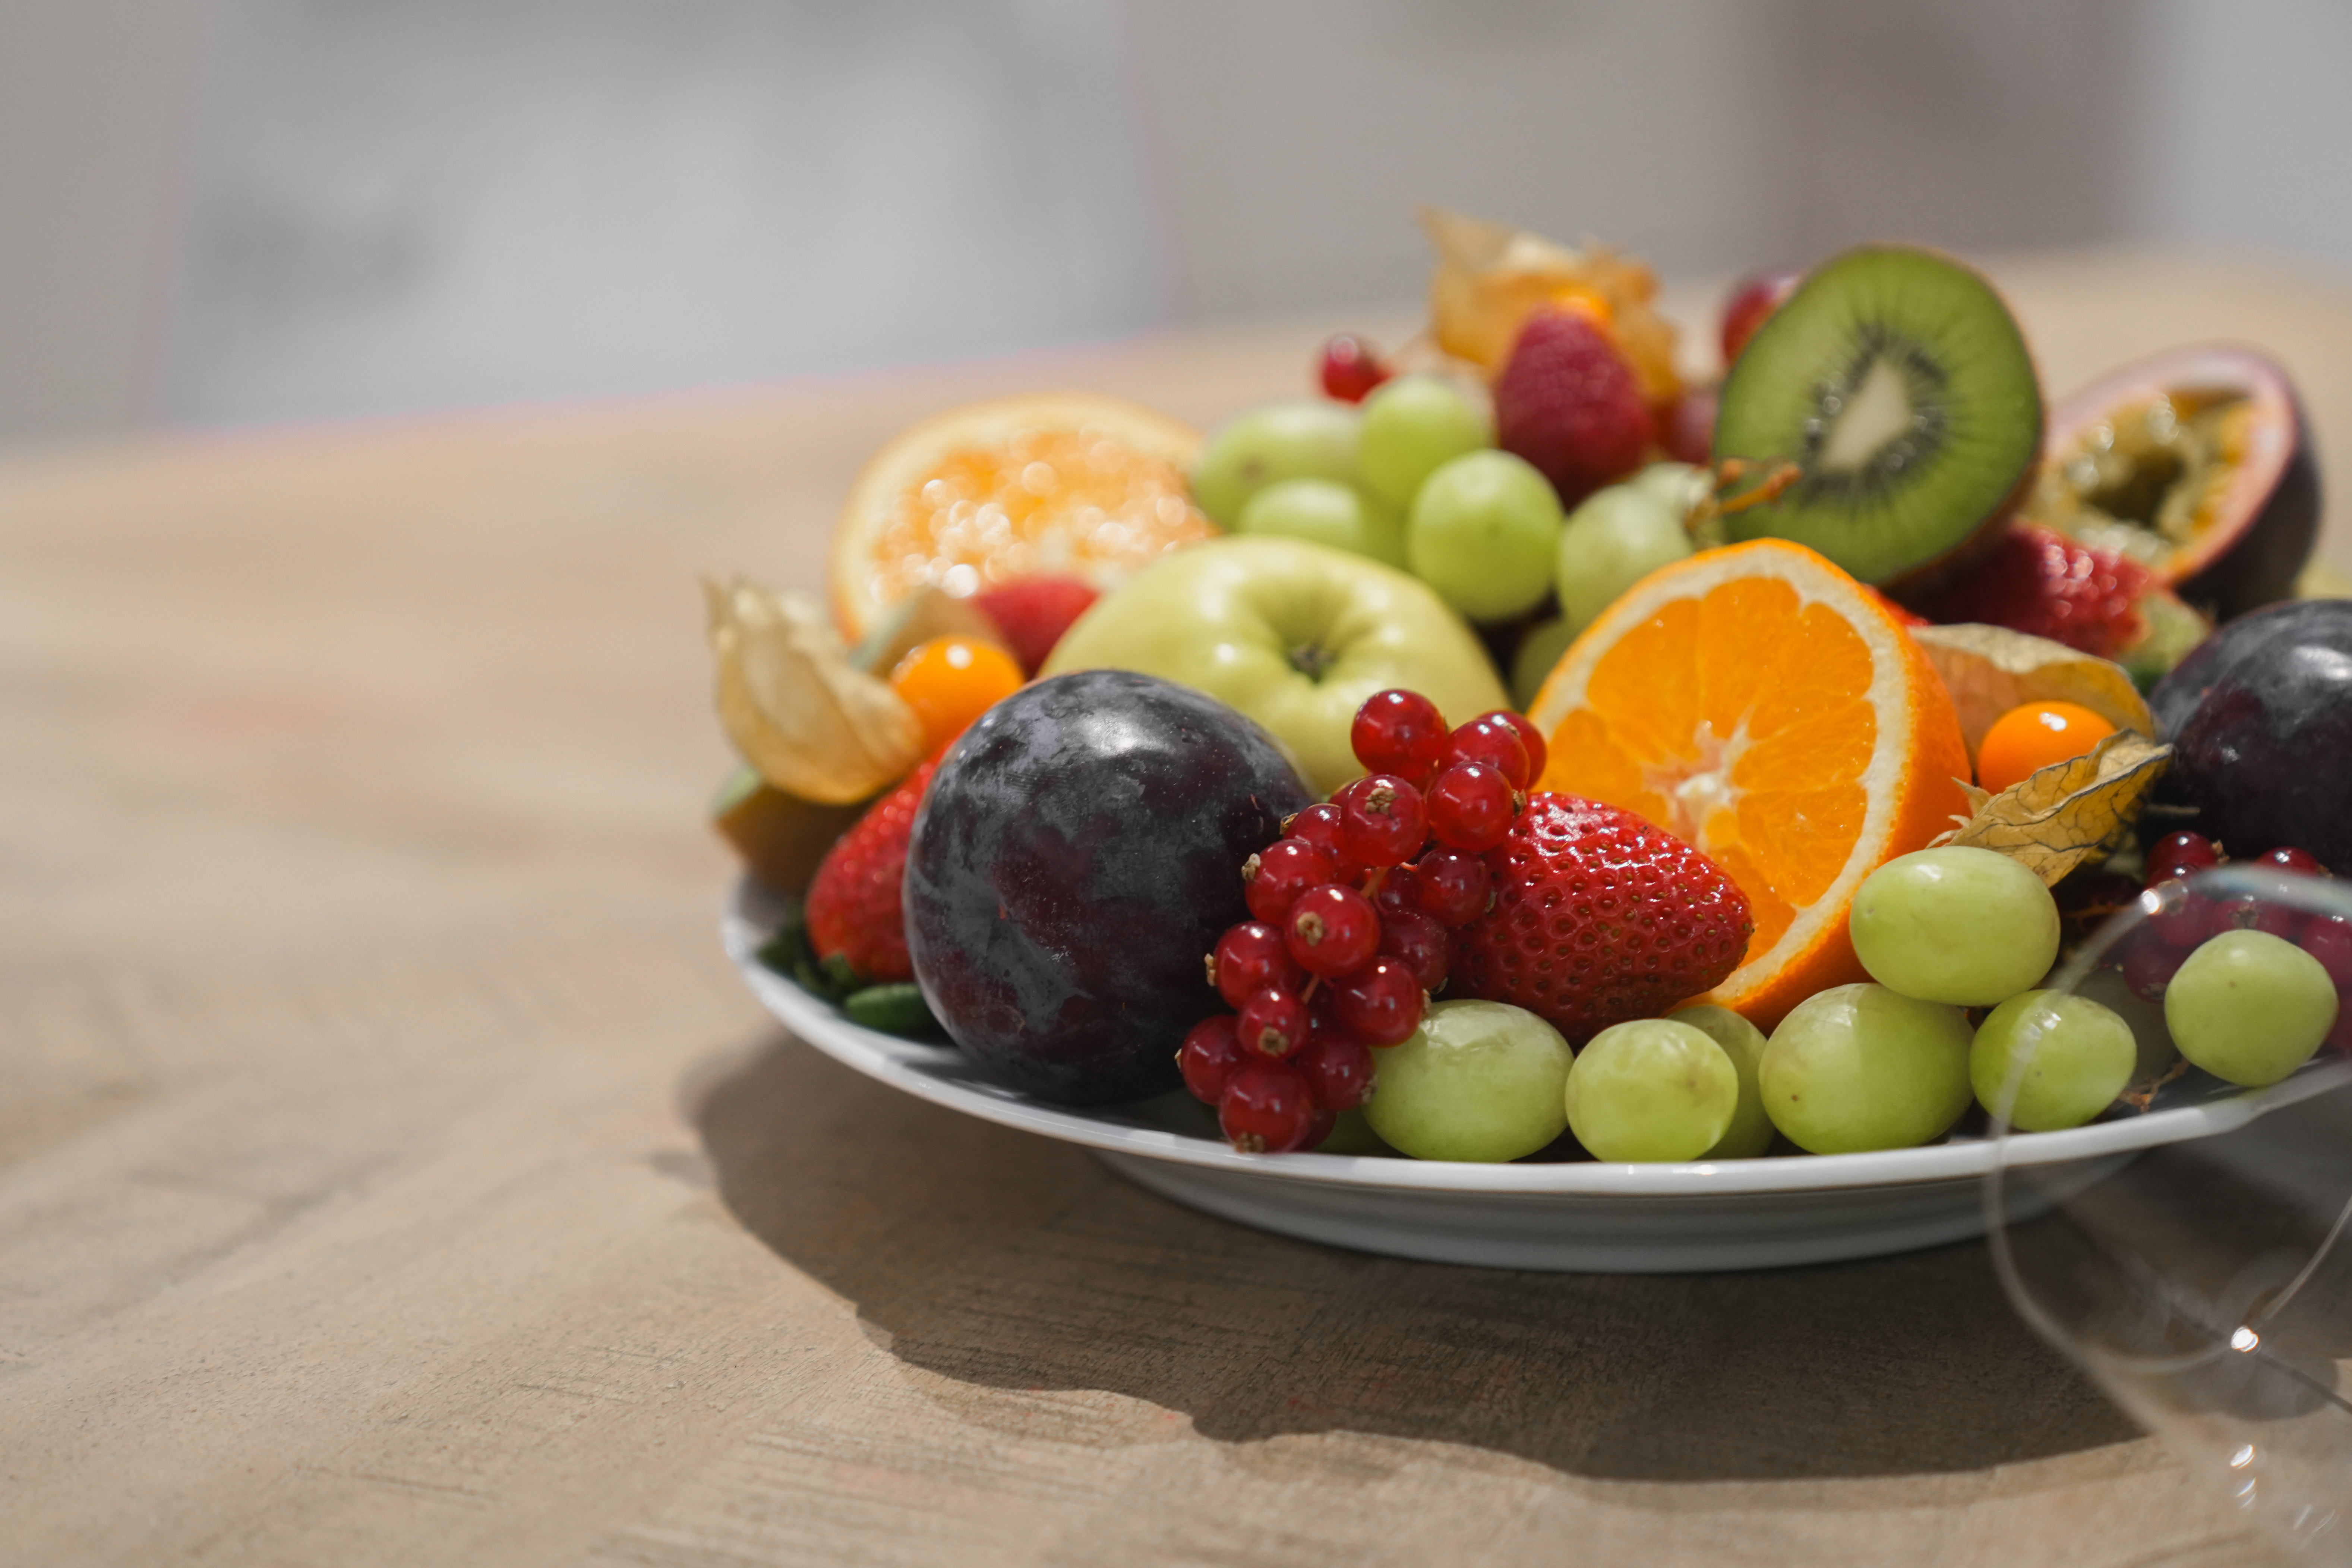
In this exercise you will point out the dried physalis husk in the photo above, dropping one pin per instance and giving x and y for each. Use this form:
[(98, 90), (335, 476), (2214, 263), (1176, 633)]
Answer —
[(1491, 277), (796, 709), (928, 611), (1990, 669), (2069, 812)]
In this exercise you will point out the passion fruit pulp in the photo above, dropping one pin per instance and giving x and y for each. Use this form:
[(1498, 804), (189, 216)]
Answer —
[(2197, 464)]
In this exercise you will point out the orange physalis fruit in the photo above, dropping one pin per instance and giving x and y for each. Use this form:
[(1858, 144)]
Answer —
[(1760, 703), (950, 681), (2034, 736), (1065, 484)]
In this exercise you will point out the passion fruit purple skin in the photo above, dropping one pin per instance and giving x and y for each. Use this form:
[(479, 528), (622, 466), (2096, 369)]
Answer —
[(1077, 857), (2267, 522), (2260, 718)]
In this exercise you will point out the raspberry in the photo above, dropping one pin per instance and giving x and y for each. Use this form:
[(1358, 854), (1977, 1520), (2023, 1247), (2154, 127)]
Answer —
[(1568, 402), (853, 906), (1599, 917), (1033, 612), (2042, 582)]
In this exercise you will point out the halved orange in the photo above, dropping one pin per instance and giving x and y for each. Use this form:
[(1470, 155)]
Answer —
[(1760, 703), (1065, 484)]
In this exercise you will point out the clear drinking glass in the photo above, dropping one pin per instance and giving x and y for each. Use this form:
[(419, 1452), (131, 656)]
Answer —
[(2192, 1257)]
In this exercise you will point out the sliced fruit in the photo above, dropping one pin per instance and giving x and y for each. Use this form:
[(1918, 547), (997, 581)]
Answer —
[(1067, 483), (2197, 464), (1898, 382), (1758, 704)]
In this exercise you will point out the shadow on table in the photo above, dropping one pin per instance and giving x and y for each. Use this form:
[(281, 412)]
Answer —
[(1007, 1262)]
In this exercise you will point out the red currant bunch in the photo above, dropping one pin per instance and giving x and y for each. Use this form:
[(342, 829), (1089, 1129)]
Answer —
[(1352, 916)]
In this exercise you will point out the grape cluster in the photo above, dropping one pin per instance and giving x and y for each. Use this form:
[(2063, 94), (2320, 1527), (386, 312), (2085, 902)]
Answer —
[(1352, 914), (2180, 921)]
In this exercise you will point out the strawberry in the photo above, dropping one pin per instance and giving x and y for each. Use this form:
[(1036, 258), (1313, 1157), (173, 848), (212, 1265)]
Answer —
[(853, 904), (1598, 916), (1033, 612), (2034, 580), (1568, 402)]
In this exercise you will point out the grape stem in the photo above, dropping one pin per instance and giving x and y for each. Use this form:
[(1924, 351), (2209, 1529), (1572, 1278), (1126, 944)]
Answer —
[(2144, 1099), (1766, 483)]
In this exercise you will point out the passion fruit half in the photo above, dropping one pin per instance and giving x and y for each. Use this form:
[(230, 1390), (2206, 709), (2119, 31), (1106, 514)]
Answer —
[(2196, 463)]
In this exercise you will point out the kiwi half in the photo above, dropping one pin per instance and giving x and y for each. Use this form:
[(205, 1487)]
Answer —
[(1899, 384)]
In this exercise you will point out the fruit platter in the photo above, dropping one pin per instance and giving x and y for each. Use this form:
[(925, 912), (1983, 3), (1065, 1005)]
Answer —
[(1529, 804)]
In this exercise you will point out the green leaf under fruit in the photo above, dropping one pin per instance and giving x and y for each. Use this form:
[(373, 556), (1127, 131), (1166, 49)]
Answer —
[(2070, 812)]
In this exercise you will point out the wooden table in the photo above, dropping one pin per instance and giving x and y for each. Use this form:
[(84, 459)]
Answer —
[(393, 1171)]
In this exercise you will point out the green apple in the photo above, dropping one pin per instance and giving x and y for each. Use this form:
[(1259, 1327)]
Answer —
[(1295, 635)]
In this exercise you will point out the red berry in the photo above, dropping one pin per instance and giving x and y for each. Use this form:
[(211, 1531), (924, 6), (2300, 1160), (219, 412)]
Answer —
[(1687, 427), (1273, 1023), (1530, 738), (1379, 1004), (1320, 825), (2150, 963), (1380, 819), (1568, 402), (2328, 938), (1332, 928), (1401, 733), (1338, 1072), (2286, 857), (1275, 877), (1399, 893), (2031, 579), (2193, 850), (2251, 914), (1033, 612), (1267, 1108), (2339, 1036), (1753, 301), (1249, 958), (1471, 806), (1419, 943), (1454, 885), (1350, 368), (2180, 918), (1487, 740), (1208, 1057), (853, 910)]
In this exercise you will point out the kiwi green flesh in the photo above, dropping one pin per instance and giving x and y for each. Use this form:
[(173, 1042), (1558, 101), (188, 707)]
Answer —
[(1899, 384)]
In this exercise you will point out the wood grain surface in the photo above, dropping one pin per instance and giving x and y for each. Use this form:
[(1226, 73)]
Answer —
[(393, 1171)]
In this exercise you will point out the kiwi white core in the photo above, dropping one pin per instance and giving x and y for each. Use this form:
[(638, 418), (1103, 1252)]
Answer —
[(1878, 412)]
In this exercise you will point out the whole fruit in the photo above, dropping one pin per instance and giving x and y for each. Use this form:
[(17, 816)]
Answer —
[(1073, 858), (2250, 1007), (1617, 537), (1413, 427), (1482, 531), (1478, 1080), (1295, 635), (2045, 1060), (2248, 713), (1570, 404), (1324, 511), (1751, 1133), (1967, 926), (1856, 1067), (1652, 1088), (853, 909), (1307, 439)]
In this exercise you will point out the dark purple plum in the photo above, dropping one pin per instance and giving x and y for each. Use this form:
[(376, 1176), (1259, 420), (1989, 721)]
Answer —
[(2260, 717), (1079, 853)]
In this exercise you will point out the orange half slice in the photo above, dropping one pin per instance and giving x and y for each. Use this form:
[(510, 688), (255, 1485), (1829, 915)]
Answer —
[(1758, 703)]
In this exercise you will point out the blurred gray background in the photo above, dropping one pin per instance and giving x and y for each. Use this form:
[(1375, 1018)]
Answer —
[(222, 212)]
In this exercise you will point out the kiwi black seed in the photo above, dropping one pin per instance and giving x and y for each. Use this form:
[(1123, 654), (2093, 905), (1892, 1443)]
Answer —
[(1898, 383)]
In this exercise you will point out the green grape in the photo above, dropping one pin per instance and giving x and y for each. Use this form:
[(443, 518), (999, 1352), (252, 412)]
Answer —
[(1651, 1089), (1540, 650), (1681, 486), (2250, 1007), (2145, 1018), (1413, 425), (1751, 1133), (1482, 532), (1324, 511), (1617, 537), (1308, 439), (1858, 1067), (1478, 1080), (1351, 1134), (2068, 1054), (1971, 926)]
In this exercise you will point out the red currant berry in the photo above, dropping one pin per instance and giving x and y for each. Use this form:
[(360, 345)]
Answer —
[(1267, 1108), (1332, 929), (1379, 1004), (1208, 1057), (2150, 963), (1490, 741), (1401, 733), (1320, 825), (2339, 1036), (2328, 938), (1320, 1128), (1273, 1023), (1274, 878), (2191, 851), (2181, 918), (1454, 885), (1531, 738), (2252, 913), (1471, 806), (1419, 943), (2287, 858), (1400, 891), (1338, 1072), (1351, 368), (1249, 958), (1380, 819)]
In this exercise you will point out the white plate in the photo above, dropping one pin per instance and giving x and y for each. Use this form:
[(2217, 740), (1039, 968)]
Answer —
[(1583, 1216)]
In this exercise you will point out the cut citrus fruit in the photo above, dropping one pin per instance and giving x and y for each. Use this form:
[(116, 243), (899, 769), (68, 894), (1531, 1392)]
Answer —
[(1760, 703), (1070, 484)]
